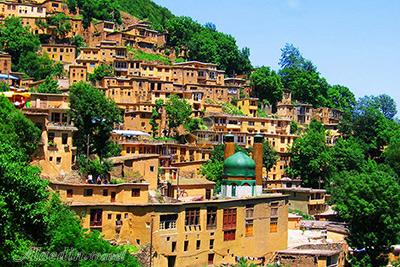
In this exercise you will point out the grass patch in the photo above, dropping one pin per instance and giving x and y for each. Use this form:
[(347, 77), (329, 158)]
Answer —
[(141, 55)]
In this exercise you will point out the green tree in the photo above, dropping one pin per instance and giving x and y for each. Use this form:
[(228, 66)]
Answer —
[(4, 87), (294, 127), (59, 25), (144, 9), (181, 30), (97, 9), (49, 86), (383, 103), (16, 39), (96, 167), (39, 66), (371, 127), (270, 156), (94, 115), (310, 157), (155, 115), (195, 124), (78, 41), (291, 58), (369, 196), (30, 215), (301, 77), (341, 97), (391, 154), (347, 155), (178, 111), (103, 70), (306, 86), (266, 85), (208, 45)]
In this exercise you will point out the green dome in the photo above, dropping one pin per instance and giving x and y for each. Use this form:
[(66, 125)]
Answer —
[(239, 165)]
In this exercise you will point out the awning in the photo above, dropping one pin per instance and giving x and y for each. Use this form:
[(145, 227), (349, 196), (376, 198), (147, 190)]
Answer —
[(130, 133), (8, 77)]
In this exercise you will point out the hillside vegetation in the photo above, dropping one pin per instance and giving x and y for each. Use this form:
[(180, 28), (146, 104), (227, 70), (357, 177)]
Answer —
[(199, 42), (146, 9)]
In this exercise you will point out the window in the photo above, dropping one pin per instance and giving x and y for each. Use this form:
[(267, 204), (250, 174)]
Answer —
[(69, 192), (88, 192), (249, 220), (233, 190), (173, 249), (208, 191), (211, 259), (229, 235), (185, 245), (249, 227), (64, 138), (211, 243), (58, 160), (95, 217), (105, 192), (229, 224), (211, 217), (168, 221), (273, 225), (109, 216), (274, 212), (229, 221), (152, 168), (198, 244), (192, 216), (50, 136), (135, 192)]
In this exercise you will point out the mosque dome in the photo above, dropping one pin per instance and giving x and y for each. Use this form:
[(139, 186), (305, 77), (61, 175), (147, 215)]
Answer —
[(239, 165)]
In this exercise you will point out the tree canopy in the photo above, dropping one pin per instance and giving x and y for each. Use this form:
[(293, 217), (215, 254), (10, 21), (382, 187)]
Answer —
[(96, 9), (94, 115), (208, 45), (372, 196), (30, 215), (307, 85), (178, 112), (22, 45), (310, 157), (49, 86), (266, 85), (103, 70)]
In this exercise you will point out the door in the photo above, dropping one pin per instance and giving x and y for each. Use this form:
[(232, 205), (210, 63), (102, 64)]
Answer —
[(171, 261)]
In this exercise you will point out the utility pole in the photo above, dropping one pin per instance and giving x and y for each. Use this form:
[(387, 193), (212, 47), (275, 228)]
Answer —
[(177, 185), (151, 241), (87, 145)]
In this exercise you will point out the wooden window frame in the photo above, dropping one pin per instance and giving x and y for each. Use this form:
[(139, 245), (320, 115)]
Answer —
[(192, 216), (211, 218)]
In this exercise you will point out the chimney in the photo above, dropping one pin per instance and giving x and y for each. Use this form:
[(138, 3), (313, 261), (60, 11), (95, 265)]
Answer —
[(229, 149), (258, 157)]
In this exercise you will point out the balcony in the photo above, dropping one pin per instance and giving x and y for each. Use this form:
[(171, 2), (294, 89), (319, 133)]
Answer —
[(190, 228), (61, 126), (316, 201)]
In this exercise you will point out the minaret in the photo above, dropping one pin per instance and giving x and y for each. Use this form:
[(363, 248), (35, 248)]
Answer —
[(229, 149), (258, 157)]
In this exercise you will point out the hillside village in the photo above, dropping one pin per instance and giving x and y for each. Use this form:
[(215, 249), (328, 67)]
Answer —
[(171, 155)]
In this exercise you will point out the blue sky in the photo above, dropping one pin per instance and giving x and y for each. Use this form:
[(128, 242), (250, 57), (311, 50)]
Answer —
[(353, 43)]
